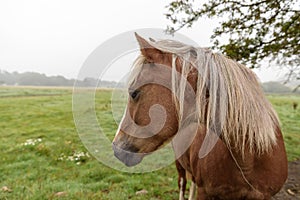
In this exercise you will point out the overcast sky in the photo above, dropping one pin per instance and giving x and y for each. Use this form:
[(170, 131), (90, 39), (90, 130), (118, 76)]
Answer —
[(55, 37)]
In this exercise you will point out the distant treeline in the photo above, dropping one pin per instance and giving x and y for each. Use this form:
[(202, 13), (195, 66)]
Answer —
[(276, 87), (37, 79)]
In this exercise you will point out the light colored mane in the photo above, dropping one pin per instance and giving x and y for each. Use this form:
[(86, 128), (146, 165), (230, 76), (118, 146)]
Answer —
[(235, 107)]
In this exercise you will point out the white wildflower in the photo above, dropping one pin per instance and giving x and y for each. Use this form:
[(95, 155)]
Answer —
[(32, 142)]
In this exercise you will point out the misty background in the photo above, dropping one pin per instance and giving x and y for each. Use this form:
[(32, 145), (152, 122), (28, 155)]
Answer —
[(45, 43)]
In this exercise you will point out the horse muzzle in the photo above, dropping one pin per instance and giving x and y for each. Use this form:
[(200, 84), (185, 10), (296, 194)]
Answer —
[(128, 158)]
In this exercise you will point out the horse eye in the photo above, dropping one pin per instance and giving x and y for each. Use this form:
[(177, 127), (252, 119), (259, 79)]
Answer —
[(134, 94)]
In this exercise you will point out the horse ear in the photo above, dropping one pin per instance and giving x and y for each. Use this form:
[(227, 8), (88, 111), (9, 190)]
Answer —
[(151, 53)]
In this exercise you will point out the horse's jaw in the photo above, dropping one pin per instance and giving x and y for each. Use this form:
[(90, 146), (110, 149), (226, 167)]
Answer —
[(128, 158)]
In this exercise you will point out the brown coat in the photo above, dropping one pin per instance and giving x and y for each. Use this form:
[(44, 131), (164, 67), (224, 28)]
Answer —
[(218, 176)]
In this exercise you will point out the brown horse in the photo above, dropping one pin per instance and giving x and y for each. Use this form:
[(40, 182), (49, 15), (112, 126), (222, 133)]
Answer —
[(223, 130)]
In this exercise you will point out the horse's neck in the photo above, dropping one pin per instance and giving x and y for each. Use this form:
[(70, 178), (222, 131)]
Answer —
[(244, 161)]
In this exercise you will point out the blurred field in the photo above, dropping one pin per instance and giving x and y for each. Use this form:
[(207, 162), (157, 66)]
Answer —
[(42, 156)]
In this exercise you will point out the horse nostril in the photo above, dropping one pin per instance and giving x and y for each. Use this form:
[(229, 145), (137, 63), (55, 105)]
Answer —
[(115, 147)]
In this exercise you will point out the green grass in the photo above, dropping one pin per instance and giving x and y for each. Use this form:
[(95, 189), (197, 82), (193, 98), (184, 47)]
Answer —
[(41, 169), (290, 122)]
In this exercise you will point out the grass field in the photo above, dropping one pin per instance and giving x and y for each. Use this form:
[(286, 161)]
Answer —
[(42, 156)]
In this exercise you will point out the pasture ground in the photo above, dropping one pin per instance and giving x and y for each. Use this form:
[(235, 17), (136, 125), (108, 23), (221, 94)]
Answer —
[(42, 156)]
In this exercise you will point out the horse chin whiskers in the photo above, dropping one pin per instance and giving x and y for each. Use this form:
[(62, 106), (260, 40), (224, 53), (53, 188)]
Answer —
[(127, 157)]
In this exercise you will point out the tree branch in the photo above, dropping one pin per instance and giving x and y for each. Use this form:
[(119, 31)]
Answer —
[(247, 5)]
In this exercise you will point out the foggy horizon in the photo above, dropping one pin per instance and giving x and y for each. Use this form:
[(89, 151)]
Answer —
[(55, 38)]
